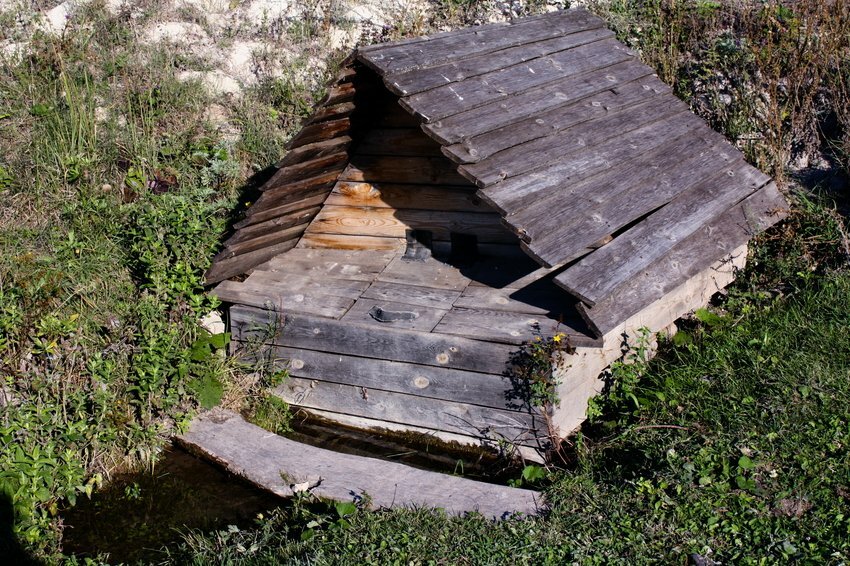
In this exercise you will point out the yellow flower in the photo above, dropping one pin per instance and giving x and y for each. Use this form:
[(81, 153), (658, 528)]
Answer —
[(556, 338)]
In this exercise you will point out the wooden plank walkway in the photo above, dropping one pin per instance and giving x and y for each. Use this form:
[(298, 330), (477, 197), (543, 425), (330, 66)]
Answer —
[(285, 467)]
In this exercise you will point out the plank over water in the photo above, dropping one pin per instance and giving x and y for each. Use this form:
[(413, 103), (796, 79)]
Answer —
[(264, 459)]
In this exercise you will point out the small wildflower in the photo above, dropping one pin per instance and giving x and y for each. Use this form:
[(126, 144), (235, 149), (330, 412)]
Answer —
[(556, 338)]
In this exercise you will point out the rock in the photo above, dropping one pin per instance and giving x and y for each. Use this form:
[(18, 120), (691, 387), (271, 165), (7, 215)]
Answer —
[(213, 323), (56, 20), (183, 33), (217, 82)]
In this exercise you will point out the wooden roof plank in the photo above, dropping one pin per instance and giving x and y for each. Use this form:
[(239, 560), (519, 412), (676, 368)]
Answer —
[(599, 274), (420, 197), (436, 50), (563, 90), (567, 116), (540, 152), (615, 204), (313, 150), (453, 98), (687, 258), (516, 193), (419, 79), (226, 267)]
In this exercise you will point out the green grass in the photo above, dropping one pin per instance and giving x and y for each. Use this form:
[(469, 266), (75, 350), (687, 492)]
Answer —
[(735, 450), (117, 187)]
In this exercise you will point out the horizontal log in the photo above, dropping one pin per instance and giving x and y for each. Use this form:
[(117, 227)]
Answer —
[(394, 407), (417, 197), (224, 268), (366, 341), (460, 386), (272, 226), (315, 149), (413, 170), (262, 215), (319, 132), (391, 223)]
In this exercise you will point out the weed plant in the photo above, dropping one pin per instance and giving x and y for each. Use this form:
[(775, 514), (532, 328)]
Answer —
[(116, 191)]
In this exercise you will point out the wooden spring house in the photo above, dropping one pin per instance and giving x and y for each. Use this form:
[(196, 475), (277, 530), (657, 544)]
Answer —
[(457, 195)]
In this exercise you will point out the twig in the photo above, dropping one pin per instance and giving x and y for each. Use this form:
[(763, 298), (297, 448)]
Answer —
[(677, 427)]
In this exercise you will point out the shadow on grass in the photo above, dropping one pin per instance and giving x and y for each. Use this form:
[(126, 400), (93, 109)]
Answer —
[(11, 550)]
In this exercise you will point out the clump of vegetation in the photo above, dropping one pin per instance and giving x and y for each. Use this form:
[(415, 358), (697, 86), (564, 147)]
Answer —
[(117, 189)]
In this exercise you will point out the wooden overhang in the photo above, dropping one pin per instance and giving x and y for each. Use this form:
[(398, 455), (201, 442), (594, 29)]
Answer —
[(604, 176)]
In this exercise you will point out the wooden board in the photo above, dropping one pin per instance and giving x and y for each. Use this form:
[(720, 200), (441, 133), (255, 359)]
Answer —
[(561, 91), (412, 294), (542, 299), (429, 51), (621, 201), (334, 112), (283, 210), (506, 327), (222, 268), (313, 150), (255, 243), (409, 142), (482, 389), (367, 341), (320, 131), (273, 226), (419, 80), (329, 263), (452, 98), (406, 409), (416, 197), (278, 465), (542, 152), (688, 258), (410, 317), (277, 300), (513, 195), (566, 116), (277, 281), (415, 170), (347, 242), (390, 223), (429, 273), (599, 274), (310, 168)]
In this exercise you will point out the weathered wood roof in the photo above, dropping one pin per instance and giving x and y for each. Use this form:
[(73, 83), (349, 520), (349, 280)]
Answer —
[(600, 171)]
